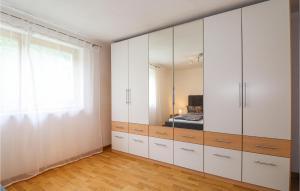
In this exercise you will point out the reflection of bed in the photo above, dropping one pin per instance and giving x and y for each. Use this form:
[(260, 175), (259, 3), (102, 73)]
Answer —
[(193, 119)]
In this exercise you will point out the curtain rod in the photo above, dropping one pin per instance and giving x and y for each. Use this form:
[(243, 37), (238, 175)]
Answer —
[(48, 28)]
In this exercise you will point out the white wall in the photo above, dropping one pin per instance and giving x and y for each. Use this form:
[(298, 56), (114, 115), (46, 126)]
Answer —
[(105, 94)]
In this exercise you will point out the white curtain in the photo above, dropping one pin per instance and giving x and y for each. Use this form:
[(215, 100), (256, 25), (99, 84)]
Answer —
[(49, 100)]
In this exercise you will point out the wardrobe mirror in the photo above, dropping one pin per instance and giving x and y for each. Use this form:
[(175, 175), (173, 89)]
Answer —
[(161, 78), (188, 75)]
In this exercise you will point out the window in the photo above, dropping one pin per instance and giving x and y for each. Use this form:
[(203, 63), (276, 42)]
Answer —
[(38, 73)]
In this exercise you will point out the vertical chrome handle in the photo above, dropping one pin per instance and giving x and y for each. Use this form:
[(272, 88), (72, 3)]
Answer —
[(129, 96), (240, 94), (245, 94), (126, 96)]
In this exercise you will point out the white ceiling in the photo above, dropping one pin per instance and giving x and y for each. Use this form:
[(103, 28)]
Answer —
[(111, 20)]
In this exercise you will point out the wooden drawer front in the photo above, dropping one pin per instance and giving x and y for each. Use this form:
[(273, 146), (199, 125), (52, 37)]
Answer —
[(188, 135), (138, 145), (161, 132), (138, 129), (223, 140), (188, 155), (267, 171), (161, 149), (223, 162), (119, 141), (268, 146), (119, 126)]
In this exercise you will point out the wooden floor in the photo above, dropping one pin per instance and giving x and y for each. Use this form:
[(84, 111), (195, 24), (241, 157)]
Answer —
[(113, 171)]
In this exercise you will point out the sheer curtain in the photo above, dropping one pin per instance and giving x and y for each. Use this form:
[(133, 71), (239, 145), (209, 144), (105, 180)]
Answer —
[(49, 100)]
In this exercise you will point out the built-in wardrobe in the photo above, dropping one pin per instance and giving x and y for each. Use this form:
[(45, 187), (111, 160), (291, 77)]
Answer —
[(211, 96)]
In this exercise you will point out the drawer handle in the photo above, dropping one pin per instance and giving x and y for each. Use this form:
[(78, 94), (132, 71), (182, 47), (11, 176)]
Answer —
[(139, 130), (119, 137), (265, 147), (161, 145), (187, 136), (222, 156), (190, 150), (265, 163), (223, 141), (160, 133), (137, 140), (119, 127)]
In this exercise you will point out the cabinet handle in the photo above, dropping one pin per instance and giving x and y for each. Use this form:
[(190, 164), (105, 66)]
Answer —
[(223, 141), (187, 136), (139, 130), (160, 133), (264, 163), (126, 96), (119, 127), (245, 94), (265, 147), (222, 156), (129, 96), (161, 145), (137, 140), (190, 150), (119, 137)]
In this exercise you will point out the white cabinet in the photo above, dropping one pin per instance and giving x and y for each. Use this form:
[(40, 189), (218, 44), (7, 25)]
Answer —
[(161, 149), (138, 80), (223, 162), (120, 141), (266, 69), (267, 171), (119, 81), (138, 145), (223, 73), (188, 155)]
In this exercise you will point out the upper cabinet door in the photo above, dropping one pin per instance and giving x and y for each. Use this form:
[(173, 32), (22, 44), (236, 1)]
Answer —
[(138, 80), (266, 66), (119, 81), (223, 73)]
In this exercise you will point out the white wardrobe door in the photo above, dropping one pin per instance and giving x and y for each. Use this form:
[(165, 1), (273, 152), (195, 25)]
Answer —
[(138, 79), (188, 155), (119, 80), (266, 67), (268, 171), (223, 162), (223, 73)]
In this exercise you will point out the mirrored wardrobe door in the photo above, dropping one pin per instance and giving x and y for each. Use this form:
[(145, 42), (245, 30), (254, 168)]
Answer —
[(188, 75), (161, 83)]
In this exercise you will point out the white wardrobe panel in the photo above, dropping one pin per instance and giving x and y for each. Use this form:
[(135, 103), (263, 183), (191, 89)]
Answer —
[(223, 162), (138, 145), (119, 81), (223, 73), (188, 155), (266, 66), (138, 80), (161, 149), (119, 141), (268, 171)]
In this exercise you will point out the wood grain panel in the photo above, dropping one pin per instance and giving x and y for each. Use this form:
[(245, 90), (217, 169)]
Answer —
[(119, 126), (268, 146), (139, 129), (223, 140), (161, 132), (188, 135)]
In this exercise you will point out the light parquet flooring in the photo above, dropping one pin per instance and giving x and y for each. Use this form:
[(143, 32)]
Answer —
[(114, 171)]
